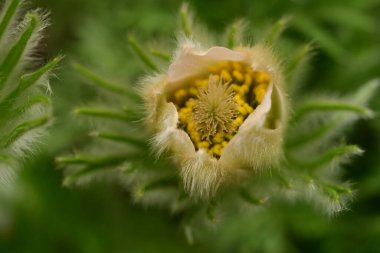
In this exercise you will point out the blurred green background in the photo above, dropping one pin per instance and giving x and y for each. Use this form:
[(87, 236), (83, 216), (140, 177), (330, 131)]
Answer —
[(43, 216)]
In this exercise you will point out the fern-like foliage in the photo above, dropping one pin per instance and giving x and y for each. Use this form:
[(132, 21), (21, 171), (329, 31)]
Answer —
[(25, 106), (315, 149)]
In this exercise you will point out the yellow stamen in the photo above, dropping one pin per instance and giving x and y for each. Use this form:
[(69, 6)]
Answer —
[(180, 95), (212, 107), (226, 75), (238, 75)]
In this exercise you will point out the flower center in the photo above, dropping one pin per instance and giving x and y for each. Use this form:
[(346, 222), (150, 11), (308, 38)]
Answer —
[(212, 107)]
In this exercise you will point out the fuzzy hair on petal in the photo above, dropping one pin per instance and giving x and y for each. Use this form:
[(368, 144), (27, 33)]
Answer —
[(202, 175)]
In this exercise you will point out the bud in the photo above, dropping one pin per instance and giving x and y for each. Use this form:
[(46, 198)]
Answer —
[(220, 114)]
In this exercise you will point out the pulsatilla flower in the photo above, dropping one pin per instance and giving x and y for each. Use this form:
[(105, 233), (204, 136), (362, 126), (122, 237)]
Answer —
[(220, 114)]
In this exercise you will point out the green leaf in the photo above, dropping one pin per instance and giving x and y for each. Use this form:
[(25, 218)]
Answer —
[(120, 138), (185, 20), (29, 79), (321, 36), (22, 129), (25, 82), (16, 52), (141, 53), (329, 105), (92, 164), (160, 54), (302, 139), (274, 33), (250, 198), (366, 92), (7, 16), (30, 102), (161, 183), (90, 160), (346, 17), (327, 157), (336, 193), (189, 234), (233, 33), (296, 66), (105, 113), (100, 82), (338, 188)]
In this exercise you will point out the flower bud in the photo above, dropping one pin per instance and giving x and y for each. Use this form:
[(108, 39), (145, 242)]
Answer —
[(220, 114)]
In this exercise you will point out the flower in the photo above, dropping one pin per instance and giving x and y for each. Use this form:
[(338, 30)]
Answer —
[(220, 115), (219, 112)]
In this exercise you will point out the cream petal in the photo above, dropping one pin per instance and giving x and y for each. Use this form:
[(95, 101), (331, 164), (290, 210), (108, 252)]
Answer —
[(201, 175), (152, 90), (262, 58), (190, 63), (257, 143), (181, 146), (168, 116)]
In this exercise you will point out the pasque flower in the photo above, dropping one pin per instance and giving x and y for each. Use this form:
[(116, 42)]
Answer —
[(220, 114)]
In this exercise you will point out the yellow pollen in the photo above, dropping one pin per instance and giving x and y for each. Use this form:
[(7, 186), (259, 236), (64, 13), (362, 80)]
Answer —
[(211, 107)]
